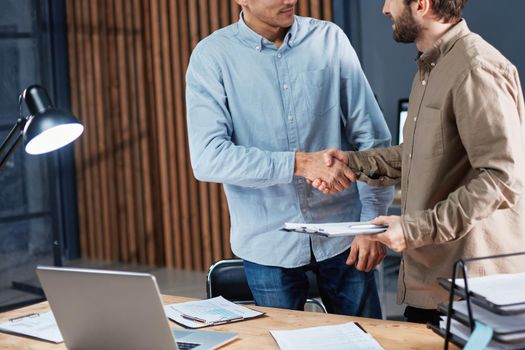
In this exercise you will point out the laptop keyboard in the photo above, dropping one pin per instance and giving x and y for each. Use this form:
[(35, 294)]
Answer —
[(186, 346)]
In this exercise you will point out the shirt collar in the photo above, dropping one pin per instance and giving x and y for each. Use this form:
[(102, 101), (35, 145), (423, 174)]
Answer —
[(442, 46), (257, 42)]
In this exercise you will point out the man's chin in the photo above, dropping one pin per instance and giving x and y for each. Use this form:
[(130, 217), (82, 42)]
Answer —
[(401, 39), (285, 19), (286, 23)]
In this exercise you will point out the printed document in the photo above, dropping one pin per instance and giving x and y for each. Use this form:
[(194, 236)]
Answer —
[(336, 229), (36, 325), (208, 312), (338, 337)]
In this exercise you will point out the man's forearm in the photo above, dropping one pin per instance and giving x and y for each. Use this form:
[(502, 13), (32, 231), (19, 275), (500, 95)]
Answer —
[(378, 166), (301, 164)]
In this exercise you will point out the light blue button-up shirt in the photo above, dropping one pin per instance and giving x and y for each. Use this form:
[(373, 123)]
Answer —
[(251, 106)]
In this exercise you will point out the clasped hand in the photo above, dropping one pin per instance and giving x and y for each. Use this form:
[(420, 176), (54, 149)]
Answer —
[(329, 173)]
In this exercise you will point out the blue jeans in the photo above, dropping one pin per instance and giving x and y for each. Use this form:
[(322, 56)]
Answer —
[(343, 289)]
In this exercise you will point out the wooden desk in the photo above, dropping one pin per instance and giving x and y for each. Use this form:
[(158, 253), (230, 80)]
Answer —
[(254, 333)]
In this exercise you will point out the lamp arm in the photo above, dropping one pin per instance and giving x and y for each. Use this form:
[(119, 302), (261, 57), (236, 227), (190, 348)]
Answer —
[(16, 134)]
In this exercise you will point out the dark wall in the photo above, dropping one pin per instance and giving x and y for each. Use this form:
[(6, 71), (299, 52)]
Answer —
[(390, 66), (37, 192)]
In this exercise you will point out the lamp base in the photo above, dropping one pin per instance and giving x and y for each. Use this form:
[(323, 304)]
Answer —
[(20, 304), (25, 287)]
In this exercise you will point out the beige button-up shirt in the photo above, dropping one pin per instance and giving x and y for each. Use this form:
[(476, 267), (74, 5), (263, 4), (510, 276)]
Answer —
[(462, 166)]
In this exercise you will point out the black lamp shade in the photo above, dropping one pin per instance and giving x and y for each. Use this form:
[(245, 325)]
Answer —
[(48, 128)]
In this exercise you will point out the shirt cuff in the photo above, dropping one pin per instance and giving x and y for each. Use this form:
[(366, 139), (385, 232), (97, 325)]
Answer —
[(284, 166), (417, 228)]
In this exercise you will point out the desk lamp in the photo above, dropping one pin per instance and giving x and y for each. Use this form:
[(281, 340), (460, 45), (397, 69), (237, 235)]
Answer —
[(45, 129)]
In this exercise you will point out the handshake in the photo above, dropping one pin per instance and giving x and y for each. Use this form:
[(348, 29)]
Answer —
[(329, 172), (326, 170)]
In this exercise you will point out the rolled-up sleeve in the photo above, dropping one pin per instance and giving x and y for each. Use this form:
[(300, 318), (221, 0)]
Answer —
[(491, 128), (378, 166), (214, 157)]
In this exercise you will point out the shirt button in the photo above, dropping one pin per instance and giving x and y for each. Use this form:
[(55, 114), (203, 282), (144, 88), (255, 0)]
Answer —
[(279, 55), (433, 64), (285, 86), (290, 118), (415, 118), (303, 210), (424, 82), (258, 48), (410, 155)]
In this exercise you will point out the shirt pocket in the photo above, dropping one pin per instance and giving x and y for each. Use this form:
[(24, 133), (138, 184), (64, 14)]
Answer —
[(429, 138), (320, 97)]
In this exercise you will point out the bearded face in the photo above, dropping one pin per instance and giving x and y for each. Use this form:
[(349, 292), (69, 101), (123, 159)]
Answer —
[(406, 29)]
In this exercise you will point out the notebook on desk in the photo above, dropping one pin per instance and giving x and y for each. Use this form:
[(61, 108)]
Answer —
[(98, 309)]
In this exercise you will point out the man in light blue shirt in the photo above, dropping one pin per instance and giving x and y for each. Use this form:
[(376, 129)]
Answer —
[(264, 97)]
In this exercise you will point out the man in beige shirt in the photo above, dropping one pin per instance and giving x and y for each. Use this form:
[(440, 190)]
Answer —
[(462, 165)]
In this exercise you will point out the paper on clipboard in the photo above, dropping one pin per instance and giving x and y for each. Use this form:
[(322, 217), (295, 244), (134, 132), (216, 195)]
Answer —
[(336, 229), (37, 325), (208, 312)]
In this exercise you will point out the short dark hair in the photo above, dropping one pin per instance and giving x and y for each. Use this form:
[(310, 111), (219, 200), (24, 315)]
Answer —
[(448, 10)]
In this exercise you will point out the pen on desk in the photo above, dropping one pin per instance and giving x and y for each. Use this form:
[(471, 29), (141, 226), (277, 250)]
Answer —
[(240, 318), (358, 325), (34, 314), (193, 318)]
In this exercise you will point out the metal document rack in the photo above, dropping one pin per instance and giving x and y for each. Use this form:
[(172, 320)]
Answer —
[(474, 300)]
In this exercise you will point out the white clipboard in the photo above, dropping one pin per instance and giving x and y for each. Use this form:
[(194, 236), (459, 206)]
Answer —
[(338, 229)]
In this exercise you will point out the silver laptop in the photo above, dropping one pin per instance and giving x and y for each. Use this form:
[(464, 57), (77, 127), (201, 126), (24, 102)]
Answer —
[(100, 309)]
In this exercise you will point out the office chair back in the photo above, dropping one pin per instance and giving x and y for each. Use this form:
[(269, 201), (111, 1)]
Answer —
[(227, 278)]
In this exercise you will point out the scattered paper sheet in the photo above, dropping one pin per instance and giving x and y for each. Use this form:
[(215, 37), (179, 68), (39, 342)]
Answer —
[(42, 326), (337, 337)]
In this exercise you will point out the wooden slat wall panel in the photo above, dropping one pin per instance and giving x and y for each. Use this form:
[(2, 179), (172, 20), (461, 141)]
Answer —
[(181, 179), (112, 110), (138, 199), (104, 234)]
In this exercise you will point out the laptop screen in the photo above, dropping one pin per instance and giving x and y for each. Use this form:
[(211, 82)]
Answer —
[(102, 309), (402, 112)]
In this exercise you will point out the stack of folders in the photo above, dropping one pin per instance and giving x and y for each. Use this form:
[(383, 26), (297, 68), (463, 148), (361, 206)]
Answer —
[(497, 303), (209, 312)]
